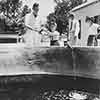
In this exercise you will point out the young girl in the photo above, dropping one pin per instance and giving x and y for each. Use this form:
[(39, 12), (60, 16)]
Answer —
[(54, 35), (45, 39), (50, 37)]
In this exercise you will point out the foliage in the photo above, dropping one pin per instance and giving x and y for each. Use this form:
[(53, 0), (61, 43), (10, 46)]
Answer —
[(12, 11), (10, 8), (60, 15)]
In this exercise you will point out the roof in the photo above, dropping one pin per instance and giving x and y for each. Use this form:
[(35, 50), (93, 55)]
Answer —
[(90, 2)]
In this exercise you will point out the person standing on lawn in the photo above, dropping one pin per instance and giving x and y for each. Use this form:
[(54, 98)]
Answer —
[(73, 30), (92, 32)]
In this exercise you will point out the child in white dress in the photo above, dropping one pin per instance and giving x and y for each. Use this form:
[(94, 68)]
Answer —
[(54, 35)]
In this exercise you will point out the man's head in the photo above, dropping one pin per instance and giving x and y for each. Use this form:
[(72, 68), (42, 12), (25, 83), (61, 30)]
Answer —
[(35, 8), (71, 16), (89, 21)]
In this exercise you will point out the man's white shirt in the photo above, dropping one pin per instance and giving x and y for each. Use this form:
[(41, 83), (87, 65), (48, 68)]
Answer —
[(32, 21), (32, 36)]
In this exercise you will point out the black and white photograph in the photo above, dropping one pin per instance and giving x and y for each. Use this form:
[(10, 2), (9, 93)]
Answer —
[(49, 49)]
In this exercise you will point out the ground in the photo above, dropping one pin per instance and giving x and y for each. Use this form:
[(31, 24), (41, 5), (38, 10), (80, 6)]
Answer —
[(16, 59)]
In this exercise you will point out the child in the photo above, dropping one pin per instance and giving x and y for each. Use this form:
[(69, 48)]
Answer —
[(54, 35), (45, 39), (63, 39)]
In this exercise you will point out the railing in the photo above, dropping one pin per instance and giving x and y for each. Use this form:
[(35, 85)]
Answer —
[(8, 37)]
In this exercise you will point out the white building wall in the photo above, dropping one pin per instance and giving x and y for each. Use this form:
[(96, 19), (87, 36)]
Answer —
[(80, 14)]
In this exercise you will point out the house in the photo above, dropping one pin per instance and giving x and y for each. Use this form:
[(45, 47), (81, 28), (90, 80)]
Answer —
[(92, 9)]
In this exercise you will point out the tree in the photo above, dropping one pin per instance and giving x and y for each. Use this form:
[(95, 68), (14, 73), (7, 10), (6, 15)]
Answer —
[(60, 15), (11, 11)]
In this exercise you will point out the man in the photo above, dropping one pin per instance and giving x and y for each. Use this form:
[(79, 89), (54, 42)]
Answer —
[(32, 37), (92, 32), (73, 29)]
